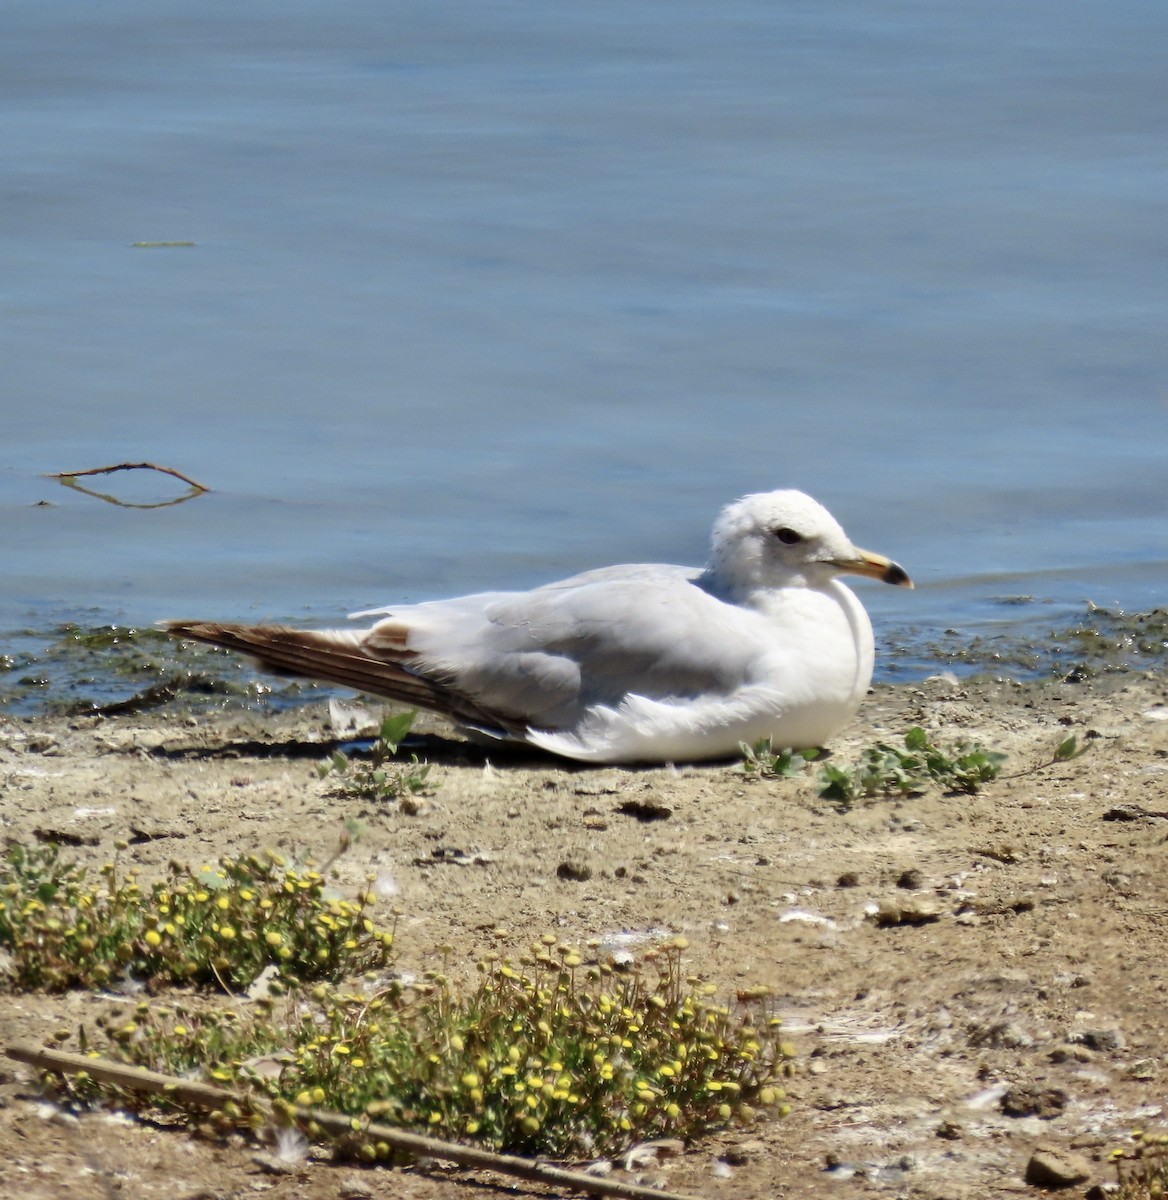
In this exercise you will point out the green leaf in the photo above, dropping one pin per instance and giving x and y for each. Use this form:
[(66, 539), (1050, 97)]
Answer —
[(1067, 749), (395, 728)]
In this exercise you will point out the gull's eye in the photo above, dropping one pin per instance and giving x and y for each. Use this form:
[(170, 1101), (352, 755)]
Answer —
[(788, 536)]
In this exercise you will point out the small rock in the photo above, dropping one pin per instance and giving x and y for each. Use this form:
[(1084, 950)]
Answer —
[(999, 1035), (1099, 1039), (906, 912), (1101, 1191), (645, 810), (743, 1152), (1050, 1166), (1027, 1100), (1062, 1054), (355, 1189)]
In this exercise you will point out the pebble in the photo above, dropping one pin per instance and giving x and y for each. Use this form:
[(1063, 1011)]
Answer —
[(355, 1189), (1099, 1039), (906, 912), (1050, 1166), (1028, 1100)]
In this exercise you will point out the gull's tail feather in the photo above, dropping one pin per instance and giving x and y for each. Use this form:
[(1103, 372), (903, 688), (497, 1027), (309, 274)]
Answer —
[(339, 656)]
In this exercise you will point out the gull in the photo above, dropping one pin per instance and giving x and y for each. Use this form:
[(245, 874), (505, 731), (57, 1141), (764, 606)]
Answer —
[(645, 663)]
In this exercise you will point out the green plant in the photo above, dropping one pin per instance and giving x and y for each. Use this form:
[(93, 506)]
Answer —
[(1142, 1170), (378, 778), (544, 1057), (887, 770), (764, 762), (1067, 750), (222, 924)]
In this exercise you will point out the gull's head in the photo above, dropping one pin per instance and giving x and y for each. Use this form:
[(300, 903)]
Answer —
[(786, 539)]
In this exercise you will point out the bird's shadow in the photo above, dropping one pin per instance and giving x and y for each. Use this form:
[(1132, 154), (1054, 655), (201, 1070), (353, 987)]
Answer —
[(432, 748), (429, 747)]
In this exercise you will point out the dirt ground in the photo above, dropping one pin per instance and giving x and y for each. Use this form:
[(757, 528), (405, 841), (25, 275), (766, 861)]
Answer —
[(1019, 1002)]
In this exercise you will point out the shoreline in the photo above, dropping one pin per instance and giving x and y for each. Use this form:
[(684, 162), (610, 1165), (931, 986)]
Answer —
[(71, 669)]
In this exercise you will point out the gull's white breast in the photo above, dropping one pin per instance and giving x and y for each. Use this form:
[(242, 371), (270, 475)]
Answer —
[(812, 672)]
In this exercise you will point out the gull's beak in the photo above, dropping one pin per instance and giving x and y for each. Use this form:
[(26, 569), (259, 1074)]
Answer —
[(876, 566)]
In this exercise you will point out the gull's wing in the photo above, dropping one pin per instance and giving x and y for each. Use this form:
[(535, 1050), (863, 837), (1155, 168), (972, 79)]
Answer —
[(339, 656), (510, 662)]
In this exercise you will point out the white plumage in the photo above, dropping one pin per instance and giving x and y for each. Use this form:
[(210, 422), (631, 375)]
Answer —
[(640, 663)]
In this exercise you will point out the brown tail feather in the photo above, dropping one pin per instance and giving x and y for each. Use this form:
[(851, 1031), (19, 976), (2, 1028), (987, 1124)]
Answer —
[(340, 657)]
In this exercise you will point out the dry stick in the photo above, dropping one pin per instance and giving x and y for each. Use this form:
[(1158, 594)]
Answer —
[(203, 1095), (142, 466)]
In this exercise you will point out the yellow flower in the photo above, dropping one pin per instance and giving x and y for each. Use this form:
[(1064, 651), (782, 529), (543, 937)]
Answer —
[(153, 937)]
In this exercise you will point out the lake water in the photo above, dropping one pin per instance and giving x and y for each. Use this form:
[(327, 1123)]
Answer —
[(481, 294)]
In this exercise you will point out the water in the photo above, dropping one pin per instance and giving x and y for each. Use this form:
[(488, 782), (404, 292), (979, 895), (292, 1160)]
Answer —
[(484, 294)]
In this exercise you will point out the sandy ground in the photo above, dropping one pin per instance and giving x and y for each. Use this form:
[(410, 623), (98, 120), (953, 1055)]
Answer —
[(934, 1055)]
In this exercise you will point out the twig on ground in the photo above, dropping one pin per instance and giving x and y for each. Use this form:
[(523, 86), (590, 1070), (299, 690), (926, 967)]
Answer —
[(202, 1095)]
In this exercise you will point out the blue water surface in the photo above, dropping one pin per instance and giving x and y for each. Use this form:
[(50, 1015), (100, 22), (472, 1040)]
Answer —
[(480, 294)]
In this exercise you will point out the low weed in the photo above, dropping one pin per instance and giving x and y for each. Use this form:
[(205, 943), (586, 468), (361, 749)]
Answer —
[(378, 778), (762, 761), (1142, 1169), (219, 925), (546, 1055), (888, 770)]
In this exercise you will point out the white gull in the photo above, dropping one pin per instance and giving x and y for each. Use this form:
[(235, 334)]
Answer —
[(642, 663)]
